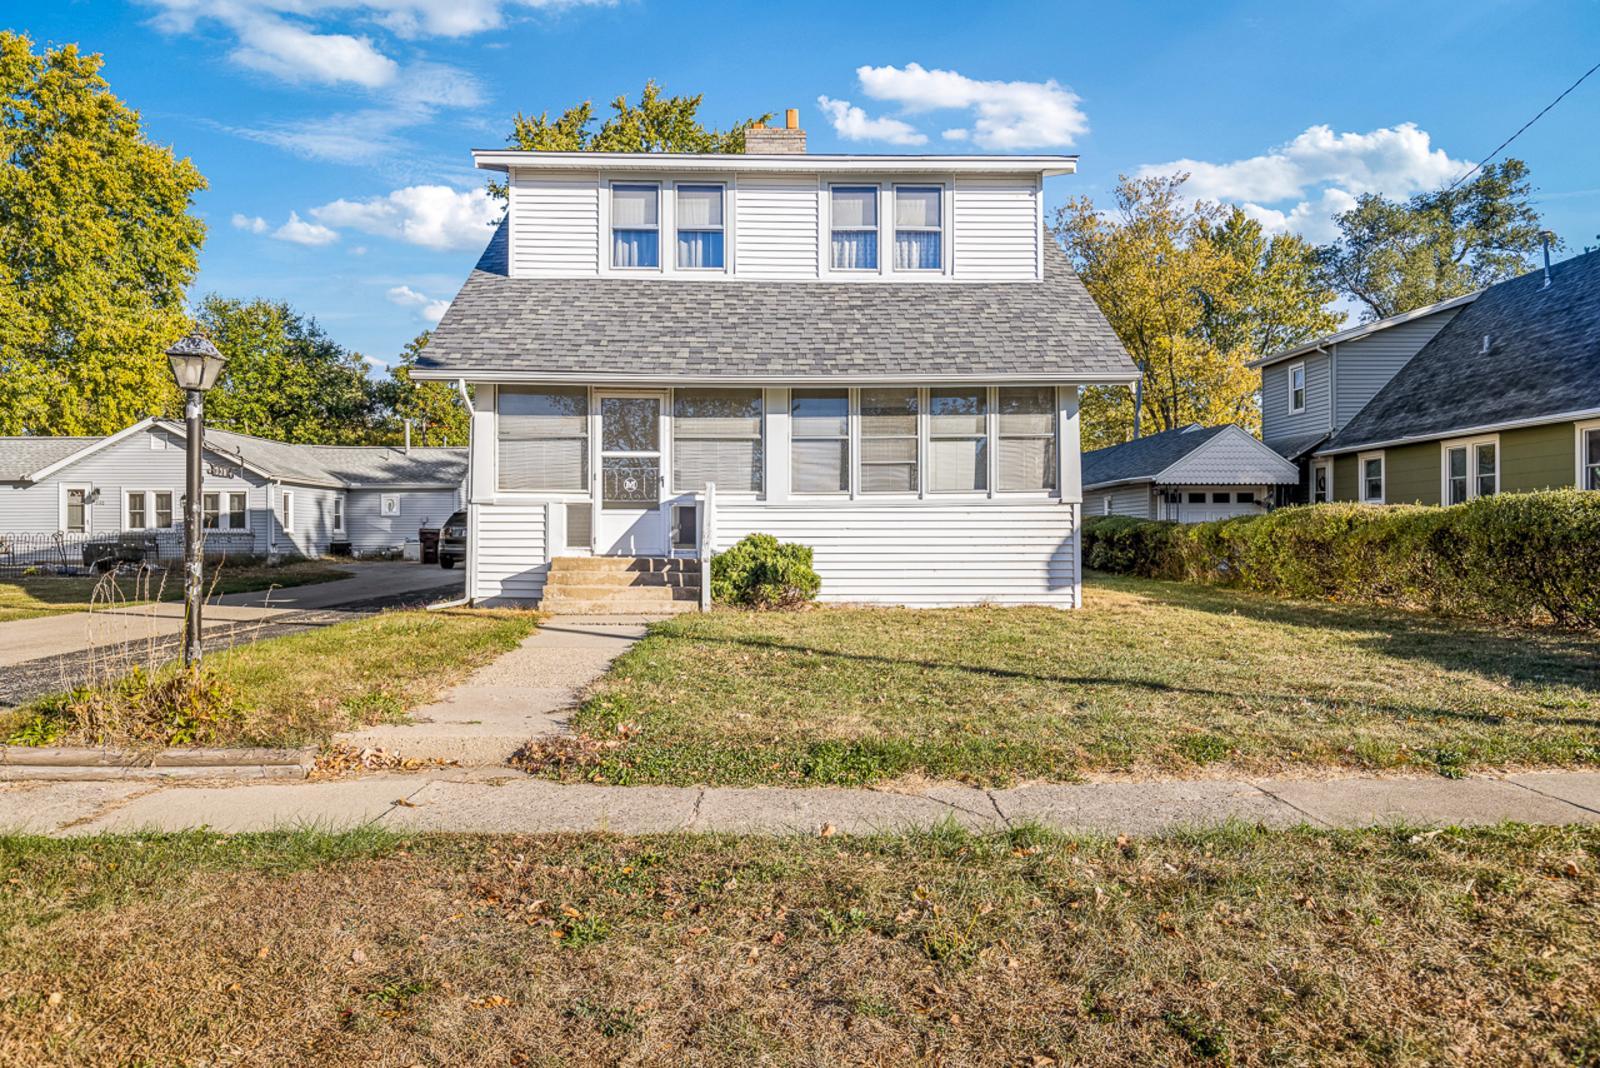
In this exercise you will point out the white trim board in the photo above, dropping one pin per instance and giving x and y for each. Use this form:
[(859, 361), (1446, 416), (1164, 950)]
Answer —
[(1469, 431)]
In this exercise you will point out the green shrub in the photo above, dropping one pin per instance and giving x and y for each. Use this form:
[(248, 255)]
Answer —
[(1515, 557), (760, 573)]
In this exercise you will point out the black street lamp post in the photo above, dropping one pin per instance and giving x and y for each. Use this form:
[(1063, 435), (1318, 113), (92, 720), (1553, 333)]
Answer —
[(196, 364)]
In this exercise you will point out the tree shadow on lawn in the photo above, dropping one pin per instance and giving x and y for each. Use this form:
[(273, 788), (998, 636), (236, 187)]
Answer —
[(1155, 686), (1524, 656)]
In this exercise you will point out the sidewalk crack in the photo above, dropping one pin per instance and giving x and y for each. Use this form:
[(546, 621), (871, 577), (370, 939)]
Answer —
[(1005, 821), (1565, 801), (694, 816), (106, 808), (1318, 820)]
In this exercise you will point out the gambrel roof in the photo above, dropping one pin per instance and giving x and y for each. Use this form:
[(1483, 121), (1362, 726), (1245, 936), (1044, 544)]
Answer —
[(1189, 456), (750, 331)]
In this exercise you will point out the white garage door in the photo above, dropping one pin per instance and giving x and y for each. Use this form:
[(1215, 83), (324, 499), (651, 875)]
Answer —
[(1203, 506)]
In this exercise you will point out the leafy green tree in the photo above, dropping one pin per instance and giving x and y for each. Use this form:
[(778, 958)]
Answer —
[(1195, 291), (286, 379), (1392, 257), (97, 245), (437, 415)]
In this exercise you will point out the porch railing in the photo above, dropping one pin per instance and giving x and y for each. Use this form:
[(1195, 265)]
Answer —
[(78, 552)]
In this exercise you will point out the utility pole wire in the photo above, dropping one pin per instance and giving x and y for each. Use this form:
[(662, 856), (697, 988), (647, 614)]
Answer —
[(1479, 165)]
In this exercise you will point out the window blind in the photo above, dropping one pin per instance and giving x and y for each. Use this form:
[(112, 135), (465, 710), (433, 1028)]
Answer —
[(544, 438), (1026, 424), (716, 437)]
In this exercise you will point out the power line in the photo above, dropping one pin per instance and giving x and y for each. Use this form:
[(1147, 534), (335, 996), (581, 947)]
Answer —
[(1479, 165)]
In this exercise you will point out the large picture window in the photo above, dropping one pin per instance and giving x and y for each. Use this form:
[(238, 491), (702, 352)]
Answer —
[(635, 226), (700, 244), (1027, 438), (716, 437), (958, 440), (544, 438), (854, 215), (889, 440), (918, 228), (819, 433)]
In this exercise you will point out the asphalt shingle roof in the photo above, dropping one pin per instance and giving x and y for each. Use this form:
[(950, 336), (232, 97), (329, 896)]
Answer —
[(1144, 457), (1543, 359), (1296, 447), (661, 328), (20, 457), (344, 465)]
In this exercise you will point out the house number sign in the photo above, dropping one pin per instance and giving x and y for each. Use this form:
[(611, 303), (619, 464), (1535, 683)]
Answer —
[(222, 470)]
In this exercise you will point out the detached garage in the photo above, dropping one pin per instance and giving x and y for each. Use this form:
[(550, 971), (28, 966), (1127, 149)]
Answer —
[(1191, 475)]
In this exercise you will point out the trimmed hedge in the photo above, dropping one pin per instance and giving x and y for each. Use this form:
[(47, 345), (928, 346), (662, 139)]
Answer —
[(1514, 557)]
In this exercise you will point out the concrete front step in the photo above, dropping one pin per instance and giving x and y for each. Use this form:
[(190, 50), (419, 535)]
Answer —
[(638, 594), (615, 606), (659, 564), (584, 576)]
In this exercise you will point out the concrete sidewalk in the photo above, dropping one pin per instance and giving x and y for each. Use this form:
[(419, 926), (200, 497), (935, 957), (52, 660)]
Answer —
[(504, 802), (521, 695)]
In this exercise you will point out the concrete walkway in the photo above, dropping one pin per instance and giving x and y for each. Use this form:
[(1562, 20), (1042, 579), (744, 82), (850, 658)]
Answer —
[(523, 694), (504, 801)]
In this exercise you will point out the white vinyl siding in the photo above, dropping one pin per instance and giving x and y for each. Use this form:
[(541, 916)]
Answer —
[(555, 226), (925, 553), (510, 549), (1132, 500), (543, 438), (716, 437), (997, 231), (776, 231)]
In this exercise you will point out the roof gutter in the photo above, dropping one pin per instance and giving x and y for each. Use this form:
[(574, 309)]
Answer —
[(794, 379), (1461, 432)]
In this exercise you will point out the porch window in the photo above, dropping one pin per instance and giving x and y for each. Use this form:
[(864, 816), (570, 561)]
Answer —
[(635, 226), (1027, 438), (1589, 457), (855, 227), (700, 241), (819, 428), (716, 437), (918, 228), (889, 440), (544, 438), (958, 440)]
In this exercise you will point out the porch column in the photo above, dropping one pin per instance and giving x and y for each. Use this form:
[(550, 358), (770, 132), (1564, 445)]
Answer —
[(1069, 461), (777, 445)]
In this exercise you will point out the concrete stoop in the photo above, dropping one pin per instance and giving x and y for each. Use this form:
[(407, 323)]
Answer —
[(621, 585)]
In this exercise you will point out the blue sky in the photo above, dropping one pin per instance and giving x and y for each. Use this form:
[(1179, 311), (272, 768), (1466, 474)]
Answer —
[(335, 133)]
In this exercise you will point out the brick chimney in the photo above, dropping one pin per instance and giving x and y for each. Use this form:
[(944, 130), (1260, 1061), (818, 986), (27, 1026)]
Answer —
[(761, 139)]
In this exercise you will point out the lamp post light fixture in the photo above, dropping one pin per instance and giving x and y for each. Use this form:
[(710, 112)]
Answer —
[(196, 365)]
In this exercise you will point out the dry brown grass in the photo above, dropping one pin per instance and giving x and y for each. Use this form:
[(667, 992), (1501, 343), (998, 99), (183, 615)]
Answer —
[(1233, 947)]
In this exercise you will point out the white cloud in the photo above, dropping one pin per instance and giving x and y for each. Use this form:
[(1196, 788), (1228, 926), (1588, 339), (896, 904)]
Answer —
[(1006, 115), (433, 216), (958, 134), (254, 224), (293, 53), (1300, 185), (853, 124), (304, 233), (431, 309)]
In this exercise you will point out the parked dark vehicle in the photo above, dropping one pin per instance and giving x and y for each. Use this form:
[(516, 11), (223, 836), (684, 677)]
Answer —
[(107, 553), (453, 540)]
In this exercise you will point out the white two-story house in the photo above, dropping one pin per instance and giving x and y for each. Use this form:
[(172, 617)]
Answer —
[(876, 356)]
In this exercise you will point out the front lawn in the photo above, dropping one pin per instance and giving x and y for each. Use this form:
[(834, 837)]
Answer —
[(295, 690), (1150, 678), (1236, 946), (31, 596)]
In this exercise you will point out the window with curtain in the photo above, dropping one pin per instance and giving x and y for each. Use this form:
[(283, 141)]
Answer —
[(544, 438), (635, 226), (889, 440), (700, 227), (1026, 426), (854, 220), (210, 510), (958, 439), (138, 515), (918, 228), (819, 436), (77, 511), (716, 437)]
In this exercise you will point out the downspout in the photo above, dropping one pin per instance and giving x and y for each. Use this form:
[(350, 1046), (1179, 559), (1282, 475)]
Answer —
[(466, 402)]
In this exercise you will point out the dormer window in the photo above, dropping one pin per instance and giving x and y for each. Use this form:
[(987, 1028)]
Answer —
[(918, 228), (855, 227), (635, 226), (700, 229)]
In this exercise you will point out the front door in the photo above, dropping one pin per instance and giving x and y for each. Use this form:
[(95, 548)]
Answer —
[(632, 521)]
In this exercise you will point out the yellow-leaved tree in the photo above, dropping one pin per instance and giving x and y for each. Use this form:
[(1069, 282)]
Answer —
[(1195, 291)]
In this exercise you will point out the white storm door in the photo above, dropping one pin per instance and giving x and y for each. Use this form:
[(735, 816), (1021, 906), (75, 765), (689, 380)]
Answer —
[(631, 474)]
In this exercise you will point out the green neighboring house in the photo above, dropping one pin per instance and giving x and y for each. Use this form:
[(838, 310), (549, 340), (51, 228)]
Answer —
[(1501, 396)]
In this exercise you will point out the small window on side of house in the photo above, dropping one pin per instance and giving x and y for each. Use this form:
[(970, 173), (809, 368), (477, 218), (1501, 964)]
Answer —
[(1297, 388), (211, 509), (1221, 498), (1372, 479), (1589, 458), (138, 514), (237, 511), (1197, 498), (163, 502), (1245, 497)]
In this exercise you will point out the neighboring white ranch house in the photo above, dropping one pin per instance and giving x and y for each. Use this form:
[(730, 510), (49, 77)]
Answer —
[(876, 356), (1192, 474), (262, 497)]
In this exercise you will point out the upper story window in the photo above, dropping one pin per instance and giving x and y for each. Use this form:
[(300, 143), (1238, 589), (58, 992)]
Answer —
[(700, 229), (544, 438), (635, 226), (1297, 388), (854, 221), (918, 228)]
